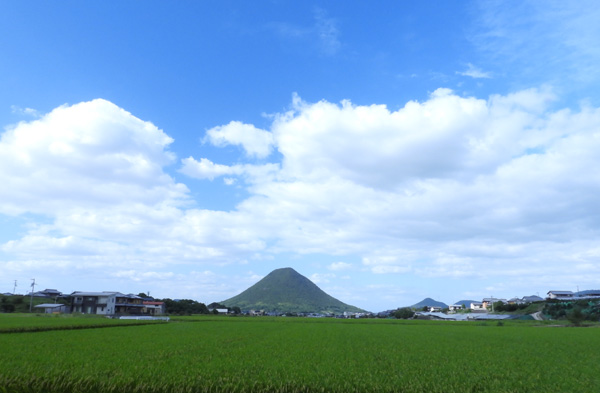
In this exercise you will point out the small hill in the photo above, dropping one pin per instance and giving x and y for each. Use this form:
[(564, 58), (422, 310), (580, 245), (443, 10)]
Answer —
[(429, 302), (286, 290), (466, 303)]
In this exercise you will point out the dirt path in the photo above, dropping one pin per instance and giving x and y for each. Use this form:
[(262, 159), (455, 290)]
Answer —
[(537, 316)]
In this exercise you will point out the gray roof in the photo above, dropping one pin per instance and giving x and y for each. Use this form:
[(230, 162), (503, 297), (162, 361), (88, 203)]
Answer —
[(50, 305), (105, 293)]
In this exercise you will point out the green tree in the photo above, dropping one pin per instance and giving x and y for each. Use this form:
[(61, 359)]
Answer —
[(576, 316)]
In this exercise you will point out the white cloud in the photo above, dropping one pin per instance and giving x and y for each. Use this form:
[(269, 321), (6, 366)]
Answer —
[(206, 169), (320, 278), (323, 35), (339, 266), (90, 154), (29, 112), (474, 72), (550, 41), (385, 264), (416, 182), (327, 31), (256, 142), (452, 187)]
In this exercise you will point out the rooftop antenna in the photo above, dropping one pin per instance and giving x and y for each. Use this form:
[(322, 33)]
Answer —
[(32, 289)]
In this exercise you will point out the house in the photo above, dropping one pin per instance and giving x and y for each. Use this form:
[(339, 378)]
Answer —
[(478, 307), (106, 303), (560, 295), (129, 304), (455, 307), (53, 293), (488, 301), (435, 309), (102, 303), (53, 308), (153, 308)]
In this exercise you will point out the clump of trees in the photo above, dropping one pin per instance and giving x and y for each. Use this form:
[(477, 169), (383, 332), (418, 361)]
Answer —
[(184, 307), (403, 313), (575, 312), (500, 306)]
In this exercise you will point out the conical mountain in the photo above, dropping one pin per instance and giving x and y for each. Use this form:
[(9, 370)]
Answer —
[(286, 290), (429, 302)]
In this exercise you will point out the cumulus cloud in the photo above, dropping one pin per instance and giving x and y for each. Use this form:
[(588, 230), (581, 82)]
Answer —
[(93, 154), (432, 175), (437, 188), (255, 142)]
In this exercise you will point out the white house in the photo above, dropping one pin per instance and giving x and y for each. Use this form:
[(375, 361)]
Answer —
[(561, 295), (106, 303)]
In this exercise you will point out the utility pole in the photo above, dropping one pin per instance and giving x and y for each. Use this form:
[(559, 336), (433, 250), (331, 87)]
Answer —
[(32, 289)]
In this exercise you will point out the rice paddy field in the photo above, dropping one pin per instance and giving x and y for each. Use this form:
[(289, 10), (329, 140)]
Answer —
[(228, 354)]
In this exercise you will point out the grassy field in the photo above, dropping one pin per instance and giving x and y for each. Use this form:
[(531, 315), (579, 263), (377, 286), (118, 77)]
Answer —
[(220, 354)]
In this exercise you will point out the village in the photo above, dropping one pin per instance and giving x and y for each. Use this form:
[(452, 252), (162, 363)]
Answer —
[(115, 304)]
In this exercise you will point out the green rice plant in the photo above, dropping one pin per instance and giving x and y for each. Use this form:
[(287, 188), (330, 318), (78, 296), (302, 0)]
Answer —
[(303, 355)]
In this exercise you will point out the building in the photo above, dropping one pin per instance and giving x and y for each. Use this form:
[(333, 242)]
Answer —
[(106, 303), (153, 307), (488, 301), (50, 293), (53, 308), (560, 295)]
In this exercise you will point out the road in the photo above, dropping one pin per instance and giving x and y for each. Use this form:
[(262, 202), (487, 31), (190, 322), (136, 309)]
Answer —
[(537, 316)]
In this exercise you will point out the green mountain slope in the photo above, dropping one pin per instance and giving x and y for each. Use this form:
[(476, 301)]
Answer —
[(286, 290)]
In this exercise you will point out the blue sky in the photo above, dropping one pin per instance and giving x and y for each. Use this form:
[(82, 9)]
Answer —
[(389, 152)]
